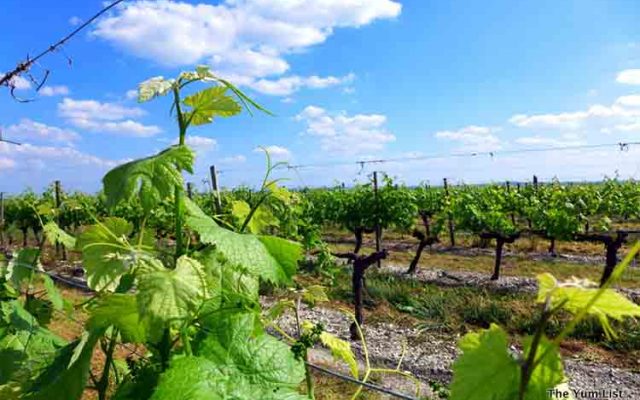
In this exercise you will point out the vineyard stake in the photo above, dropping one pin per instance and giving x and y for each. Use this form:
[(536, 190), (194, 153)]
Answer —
[(452, 238), (375, 194), (190, 190), (215, 191), (57, 191)]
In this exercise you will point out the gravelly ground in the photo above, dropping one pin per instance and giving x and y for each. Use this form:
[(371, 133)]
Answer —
[(429, 356)]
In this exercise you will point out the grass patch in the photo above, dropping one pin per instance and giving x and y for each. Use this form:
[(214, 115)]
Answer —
[(458, 310)]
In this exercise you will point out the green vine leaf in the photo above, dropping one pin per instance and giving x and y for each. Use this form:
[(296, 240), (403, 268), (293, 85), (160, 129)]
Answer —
[(197, 378), (154, 87), (55, 234), (239, 349), (209, 103), (21, 267), (169, 296), (63, 379), (485, 370), (576, 294), (548, 374), (106, 253), (341, 350), (121, 312), (271, 258), (151, 179)]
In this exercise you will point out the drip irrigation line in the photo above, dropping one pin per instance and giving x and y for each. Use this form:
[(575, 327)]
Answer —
[(360, 383)]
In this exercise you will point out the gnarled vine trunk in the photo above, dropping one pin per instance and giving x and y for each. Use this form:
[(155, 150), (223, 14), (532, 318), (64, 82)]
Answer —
[(425, 240), (360, 265), (611, 245), (500, 242)]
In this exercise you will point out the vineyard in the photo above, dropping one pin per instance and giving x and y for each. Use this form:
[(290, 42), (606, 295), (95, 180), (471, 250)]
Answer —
[(151, 289)]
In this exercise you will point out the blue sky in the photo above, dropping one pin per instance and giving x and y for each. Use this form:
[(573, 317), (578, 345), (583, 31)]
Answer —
[(348, 80)]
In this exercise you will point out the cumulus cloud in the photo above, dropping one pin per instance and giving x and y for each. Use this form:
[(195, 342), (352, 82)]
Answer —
[(39, 165), (343, 133), (112, 118), (200, 144), (244, 40), (237, 159), (18, 82), (291, 84), (473, 138), (277, 152), (28, 130), (6, 163), (624, 110), (567, 139), (629, 77), (49, 91)]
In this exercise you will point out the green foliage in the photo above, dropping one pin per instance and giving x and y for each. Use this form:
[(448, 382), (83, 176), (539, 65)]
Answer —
[(106, 253), (341, 350), (56, 235), (121, 312), (168, 297), (577, 295), (271, 258), (485, 370), (210, 103), (152, 179)]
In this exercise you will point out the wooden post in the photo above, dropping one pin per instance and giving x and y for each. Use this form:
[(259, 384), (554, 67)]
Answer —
[(377, 208), (513, 217), (452, 238), (190, 190), (214, 189), (58, 191), (535, 182)]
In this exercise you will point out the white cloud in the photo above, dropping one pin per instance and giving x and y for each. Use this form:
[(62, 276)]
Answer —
[(568, 139), (624, 110), (291, 84), (49, 91), (275, 151), (18, 82), (73, 21), (473, 138), (244, 40), (200, 144), (52, 156), (629, 77), (28, 130), (237, 159), (629, 101), (131, 94), (37, 166), (105, 117), (6, 163), (342, 133)]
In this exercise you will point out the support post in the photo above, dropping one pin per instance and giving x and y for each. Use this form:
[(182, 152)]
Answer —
[(377, 227), (57, 191), (452, 238), (190, 190), (214, 188)]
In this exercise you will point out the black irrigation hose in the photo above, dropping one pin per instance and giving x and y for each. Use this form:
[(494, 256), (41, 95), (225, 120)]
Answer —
[(361, 383)]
